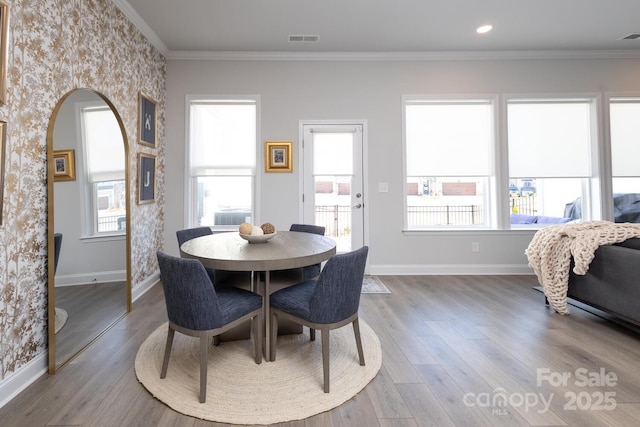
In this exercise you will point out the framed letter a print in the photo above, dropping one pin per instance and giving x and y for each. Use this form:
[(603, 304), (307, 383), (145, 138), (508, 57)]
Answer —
[(146, 178), (147, 116)]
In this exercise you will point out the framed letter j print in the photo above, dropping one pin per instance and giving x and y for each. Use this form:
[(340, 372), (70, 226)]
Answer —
[(146, 178)]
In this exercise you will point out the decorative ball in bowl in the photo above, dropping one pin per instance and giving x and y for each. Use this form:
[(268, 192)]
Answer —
[(255, 234), (257, 238)]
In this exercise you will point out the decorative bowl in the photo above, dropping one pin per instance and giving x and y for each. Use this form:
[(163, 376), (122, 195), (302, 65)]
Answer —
[(262, 238)]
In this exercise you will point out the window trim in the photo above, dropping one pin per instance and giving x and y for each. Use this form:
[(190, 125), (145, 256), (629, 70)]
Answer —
[(89, 209), (592, 184), (490, 211), (190, 190)]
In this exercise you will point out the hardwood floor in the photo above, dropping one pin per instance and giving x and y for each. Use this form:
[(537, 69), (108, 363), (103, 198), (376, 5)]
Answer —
[(455, 348), (91, 309)]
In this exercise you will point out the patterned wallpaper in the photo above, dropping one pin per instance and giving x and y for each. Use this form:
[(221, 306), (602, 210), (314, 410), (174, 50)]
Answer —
[(56, 46)]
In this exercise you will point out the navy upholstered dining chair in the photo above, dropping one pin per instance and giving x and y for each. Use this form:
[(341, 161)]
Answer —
[(197, 309), (311, 271), (57, 247), (330, 302), (191, 233)]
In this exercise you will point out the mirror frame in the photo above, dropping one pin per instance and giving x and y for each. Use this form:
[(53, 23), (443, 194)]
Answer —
[(53, 368)]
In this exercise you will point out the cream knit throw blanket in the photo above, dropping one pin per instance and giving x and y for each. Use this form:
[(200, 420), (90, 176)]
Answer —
[(551, 249)]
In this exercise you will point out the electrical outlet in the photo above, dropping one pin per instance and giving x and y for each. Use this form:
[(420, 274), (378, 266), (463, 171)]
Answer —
[(475, 247)]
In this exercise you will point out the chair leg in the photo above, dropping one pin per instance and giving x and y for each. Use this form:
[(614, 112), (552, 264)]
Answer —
[(356, 331), (312, 334), (216, 340), (257, 337), (204, 353), (273, 336), (325, 358), (167, 352)]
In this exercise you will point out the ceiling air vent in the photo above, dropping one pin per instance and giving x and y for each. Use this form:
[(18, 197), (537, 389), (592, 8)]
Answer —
[(303, 38), (632, 36)]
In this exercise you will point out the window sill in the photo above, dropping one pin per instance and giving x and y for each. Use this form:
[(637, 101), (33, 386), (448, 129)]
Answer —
[(104, 237)]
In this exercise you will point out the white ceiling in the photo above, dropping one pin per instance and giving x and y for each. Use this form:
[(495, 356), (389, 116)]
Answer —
[(437, 27)]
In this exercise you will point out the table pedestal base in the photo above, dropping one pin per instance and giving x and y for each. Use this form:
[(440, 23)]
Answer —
[(277, 280)]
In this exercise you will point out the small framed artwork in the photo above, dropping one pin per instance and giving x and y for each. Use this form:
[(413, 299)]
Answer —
[(4, 46), (146, 178), (147, 116), (278, 156), (3, 137), (64, 164)]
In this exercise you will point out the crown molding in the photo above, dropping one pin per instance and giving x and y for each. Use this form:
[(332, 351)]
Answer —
[(141, 25), (153, 38), (402, 56)]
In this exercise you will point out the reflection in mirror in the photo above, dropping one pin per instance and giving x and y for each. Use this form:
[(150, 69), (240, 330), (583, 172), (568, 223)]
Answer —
[(88, 215)]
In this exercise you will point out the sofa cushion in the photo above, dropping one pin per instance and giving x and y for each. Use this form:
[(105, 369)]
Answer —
[(523, 219), (552, 220), (633, 243)]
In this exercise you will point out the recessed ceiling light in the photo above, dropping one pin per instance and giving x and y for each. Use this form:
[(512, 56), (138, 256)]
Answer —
[(484, 29)]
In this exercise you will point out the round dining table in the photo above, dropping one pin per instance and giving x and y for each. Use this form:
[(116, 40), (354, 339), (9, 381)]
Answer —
[(286, 250)]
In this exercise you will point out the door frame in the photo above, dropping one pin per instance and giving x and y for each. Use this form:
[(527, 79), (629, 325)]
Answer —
[(365, 166)]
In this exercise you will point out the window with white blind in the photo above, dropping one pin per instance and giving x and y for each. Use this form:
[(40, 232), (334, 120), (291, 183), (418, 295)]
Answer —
[(624, 115), (449, 147), (105, 172), (550, 145), (222, 161)]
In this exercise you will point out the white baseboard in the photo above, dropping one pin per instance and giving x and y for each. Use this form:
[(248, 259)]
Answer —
[(448, 269), (91, 278), (144, 286), (15, 382), (12, 385)]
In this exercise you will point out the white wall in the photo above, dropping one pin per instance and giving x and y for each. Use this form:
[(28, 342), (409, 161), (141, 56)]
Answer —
[(372, 90)]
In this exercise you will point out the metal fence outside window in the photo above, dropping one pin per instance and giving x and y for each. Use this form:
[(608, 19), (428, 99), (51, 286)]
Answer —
[(444, 215), (111, 223), (525, 205), (336, 220)]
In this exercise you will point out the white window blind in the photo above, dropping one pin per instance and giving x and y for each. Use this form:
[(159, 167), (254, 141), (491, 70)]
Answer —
[(625, 137), (103, 145), (223, 138), (449, 138), (332, 153), (549, 139)]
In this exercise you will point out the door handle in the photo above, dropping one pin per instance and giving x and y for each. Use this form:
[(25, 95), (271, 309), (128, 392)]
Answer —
[(358, 206)]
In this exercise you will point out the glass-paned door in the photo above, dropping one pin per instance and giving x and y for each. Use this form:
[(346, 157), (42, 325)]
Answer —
[(333, 182)]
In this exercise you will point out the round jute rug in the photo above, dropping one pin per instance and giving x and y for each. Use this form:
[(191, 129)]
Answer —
[(241, 392)]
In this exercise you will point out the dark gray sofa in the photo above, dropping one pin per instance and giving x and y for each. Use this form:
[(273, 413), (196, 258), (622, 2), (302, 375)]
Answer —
[(612, 283)]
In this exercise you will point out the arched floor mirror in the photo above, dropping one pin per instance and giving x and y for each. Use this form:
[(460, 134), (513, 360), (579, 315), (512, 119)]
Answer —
[(89, 286)]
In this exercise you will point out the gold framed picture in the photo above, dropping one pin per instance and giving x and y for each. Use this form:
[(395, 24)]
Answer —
[(146, 178), (147, 117), (278, 156), (64, 163), (4, 47), (3, 137)]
